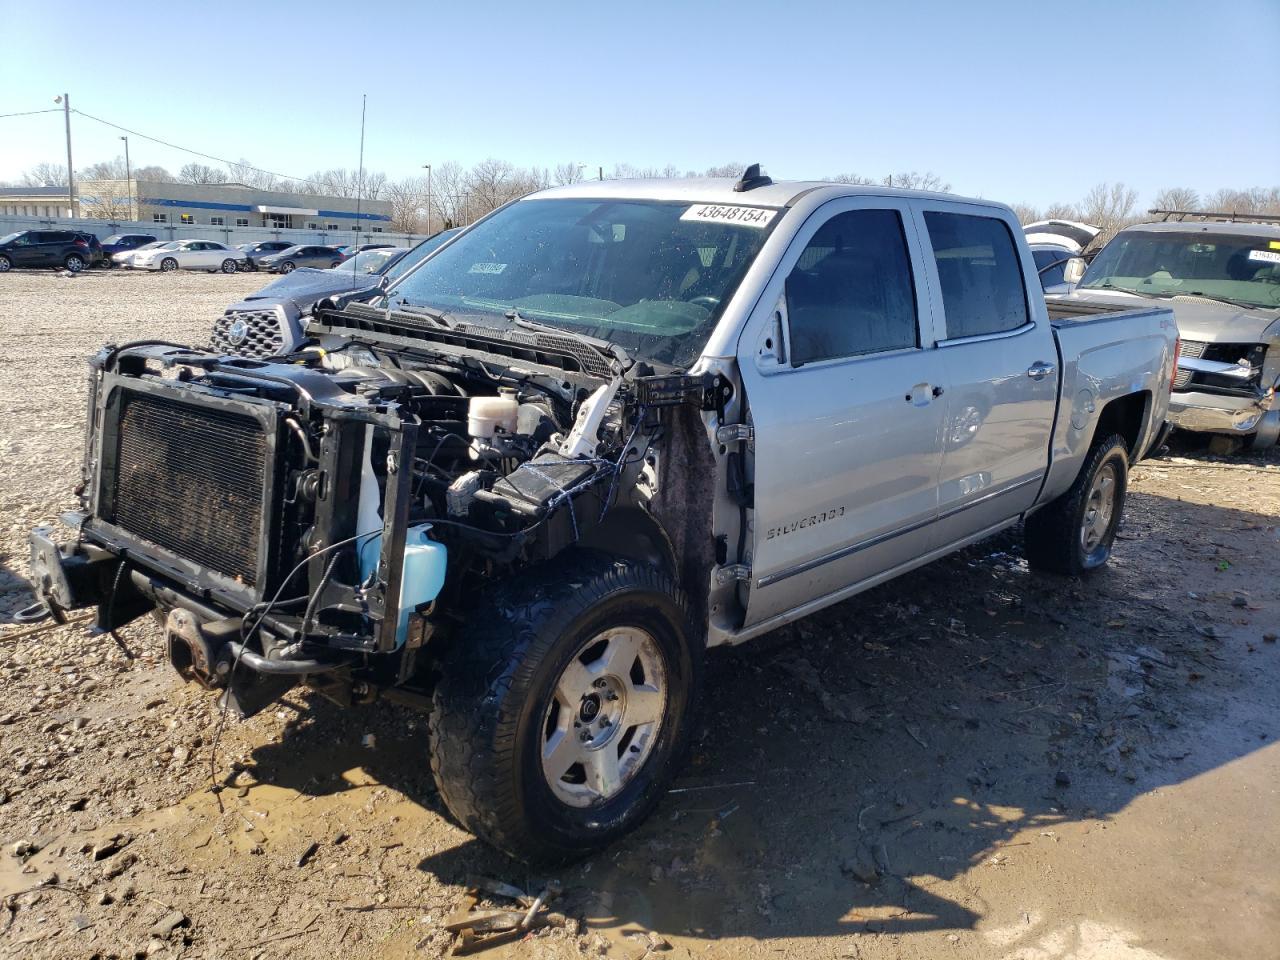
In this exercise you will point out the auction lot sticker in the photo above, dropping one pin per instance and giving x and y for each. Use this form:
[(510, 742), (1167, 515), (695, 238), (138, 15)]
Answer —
[(757, 217), (1267, 256)]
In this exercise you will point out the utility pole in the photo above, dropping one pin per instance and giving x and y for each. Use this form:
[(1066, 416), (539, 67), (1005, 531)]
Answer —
[(601, 171), (427, 167), (128, 177), (65, 100)]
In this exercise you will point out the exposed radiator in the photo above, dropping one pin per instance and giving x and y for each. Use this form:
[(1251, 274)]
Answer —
[(190, 479)]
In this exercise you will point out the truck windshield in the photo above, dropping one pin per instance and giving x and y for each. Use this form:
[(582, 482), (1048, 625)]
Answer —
[(647, 275), (1232, 267)]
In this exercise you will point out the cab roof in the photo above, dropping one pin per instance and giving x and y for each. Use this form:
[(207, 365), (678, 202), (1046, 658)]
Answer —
[(721, 190)]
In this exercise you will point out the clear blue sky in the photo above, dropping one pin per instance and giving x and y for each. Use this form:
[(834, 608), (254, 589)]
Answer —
[(1015, 101)]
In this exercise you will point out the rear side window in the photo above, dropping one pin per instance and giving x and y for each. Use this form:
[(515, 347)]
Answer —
[(851, 292), (980, 274)]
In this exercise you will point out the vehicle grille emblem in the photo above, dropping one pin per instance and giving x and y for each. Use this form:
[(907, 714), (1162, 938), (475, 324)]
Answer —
[(238, 332)]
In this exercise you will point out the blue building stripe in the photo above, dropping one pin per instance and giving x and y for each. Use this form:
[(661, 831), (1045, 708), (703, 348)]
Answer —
[(247, 208)]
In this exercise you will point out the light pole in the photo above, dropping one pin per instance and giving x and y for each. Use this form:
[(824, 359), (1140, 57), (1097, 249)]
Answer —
[(128, 176), (427, 167), (65, 100)]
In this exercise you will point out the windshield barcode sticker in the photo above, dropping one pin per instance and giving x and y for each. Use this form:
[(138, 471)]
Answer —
[(1267, 256), (487, 268), (757, 217)]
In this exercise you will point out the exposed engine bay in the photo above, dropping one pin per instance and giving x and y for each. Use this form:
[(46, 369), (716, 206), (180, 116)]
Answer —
[(331, 514)]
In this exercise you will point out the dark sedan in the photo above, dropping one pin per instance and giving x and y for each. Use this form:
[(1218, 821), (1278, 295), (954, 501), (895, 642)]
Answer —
[(286, 261)]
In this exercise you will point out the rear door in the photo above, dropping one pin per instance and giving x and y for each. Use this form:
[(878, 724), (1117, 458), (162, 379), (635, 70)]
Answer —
[(48, 248), (1000, 362), (846, 422)]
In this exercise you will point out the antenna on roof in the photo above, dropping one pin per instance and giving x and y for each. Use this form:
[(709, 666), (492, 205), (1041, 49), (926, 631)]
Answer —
[(364, 99), (751, 178)]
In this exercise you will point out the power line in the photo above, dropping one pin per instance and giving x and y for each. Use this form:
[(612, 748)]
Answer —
[(31, 113), (207, 156)]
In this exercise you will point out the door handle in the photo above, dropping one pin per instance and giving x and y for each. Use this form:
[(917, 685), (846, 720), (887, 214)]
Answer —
[(921, 393), (1039, 370)]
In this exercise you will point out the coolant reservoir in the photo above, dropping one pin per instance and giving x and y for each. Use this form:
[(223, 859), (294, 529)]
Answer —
[(422, 574), (486, 415)]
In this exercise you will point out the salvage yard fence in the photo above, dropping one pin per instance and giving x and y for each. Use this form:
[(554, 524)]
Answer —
[(190, 231)]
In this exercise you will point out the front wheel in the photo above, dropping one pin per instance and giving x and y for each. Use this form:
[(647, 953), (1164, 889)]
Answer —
[(287, 266), (168, 264), (5, 264), (1074, 533), (564, 710)]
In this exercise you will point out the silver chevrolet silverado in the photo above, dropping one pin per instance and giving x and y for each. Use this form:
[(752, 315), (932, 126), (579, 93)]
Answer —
[(605, 428), (1221, 275)]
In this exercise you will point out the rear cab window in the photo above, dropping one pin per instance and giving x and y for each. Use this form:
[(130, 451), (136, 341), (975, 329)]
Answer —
[(980, 273)]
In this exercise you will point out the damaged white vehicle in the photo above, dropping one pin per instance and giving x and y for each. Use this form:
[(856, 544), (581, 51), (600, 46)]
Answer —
[(607, 427)]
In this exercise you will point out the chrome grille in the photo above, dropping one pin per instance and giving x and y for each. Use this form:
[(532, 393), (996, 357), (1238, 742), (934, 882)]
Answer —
[(1190, 348), (248, 333), (190, 479)]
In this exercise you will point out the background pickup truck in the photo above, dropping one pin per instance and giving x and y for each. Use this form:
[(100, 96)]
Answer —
[(604, 428)]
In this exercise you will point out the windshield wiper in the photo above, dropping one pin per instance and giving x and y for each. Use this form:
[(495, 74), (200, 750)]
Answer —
[(439, 316), (1108, 285), (1235, 303), (612, 349)]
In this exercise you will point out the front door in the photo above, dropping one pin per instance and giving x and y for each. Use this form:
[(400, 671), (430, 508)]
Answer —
[(1000, 362), (846, 414)]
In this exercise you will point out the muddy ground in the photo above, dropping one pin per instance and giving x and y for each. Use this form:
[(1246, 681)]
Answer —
[(971, 762)]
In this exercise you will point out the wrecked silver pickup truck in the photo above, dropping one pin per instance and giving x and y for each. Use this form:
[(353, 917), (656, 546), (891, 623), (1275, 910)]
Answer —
[(601, 430)]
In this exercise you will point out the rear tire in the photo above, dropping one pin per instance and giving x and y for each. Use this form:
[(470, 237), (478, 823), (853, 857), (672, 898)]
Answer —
[(1073, 534), (509, 715), (74, 262)]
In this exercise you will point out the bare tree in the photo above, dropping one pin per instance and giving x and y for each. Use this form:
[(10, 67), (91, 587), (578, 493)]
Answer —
[(917, 181), (1248, 200), (1110, 206), (374, 183), (566, 173), (243, 171), (45, 175), (855, 178), (1026, 213), (201, 173), (449, 194), (1177, 198), (408, 199), (1062, 211), (113, 169), (154, 173)]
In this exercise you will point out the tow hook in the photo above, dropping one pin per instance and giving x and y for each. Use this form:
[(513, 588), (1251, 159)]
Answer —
[(194, 647)]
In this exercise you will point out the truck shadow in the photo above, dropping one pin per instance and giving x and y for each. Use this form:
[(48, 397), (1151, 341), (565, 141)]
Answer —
[(858, 760)]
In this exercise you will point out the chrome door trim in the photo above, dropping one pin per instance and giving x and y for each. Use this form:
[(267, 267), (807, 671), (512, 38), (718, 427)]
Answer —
[(984, 337), (989, 495), (890, 535)]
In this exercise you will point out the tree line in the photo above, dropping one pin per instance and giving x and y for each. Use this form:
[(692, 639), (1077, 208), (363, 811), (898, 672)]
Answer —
[(454, 195)]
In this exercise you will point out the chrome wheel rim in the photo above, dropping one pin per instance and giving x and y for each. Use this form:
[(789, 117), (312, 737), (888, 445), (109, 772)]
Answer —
[(228, 266), (4, 265), (169, 265), (1099, 508), (286, 268), (605, 716)]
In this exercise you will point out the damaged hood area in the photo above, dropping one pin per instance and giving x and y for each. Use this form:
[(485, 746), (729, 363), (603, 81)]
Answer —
[(1200, 318)]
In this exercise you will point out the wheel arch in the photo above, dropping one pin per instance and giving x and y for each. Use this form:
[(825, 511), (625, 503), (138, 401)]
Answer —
[(1127, 416)]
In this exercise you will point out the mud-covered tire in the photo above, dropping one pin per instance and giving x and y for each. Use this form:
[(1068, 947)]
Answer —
[(1056, 537), (488, 724)]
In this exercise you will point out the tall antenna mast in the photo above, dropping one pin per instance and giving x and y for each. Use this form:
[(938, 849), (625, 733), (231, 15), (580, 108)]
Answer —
[(364, 99)]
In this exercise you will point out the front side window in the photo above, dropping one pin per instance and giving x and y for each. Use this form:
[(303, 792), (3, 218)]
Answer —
[(651, 276), (1234, 268), (980, 273), (851, 292)]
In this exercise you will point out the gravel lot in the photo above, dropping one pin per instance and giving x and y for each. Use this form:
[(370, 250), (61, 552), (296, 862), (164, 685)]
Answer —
[(972, 762)]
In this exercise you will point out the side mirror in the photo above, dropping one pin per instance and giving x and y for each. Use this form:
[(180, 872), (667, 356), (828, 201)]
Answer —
[(1074, 270)]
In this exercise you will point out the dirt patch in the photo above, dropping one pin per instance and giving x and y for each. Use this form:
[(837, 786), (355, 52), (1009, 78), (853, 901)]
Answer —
[(973, 761)]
